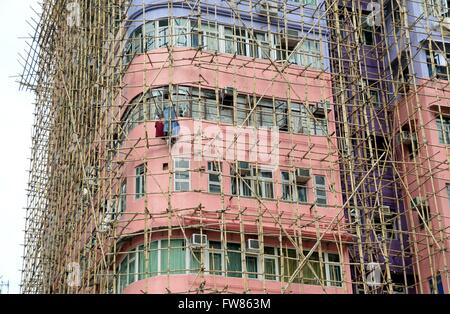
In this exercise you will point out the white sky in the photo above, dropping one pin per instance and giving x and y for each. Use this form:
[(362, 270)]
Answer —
[(16, 118)]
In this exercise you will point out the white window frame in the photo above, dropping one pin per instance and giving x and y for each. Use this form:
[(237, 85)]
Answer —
[(274, 257), (320, 187), (136, 265), (140, 194), (258, 178), (176, 169), (293, 186), (122, 206), (328, 265), (217, 173)]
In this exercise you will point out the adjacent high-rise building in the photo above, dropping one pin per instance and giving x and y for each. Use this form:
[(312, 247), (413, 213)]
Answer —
[(239, 147)]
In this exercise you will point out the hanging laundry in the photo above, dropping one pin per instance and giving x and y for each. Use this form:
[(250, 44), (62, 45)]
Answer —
[(171, 125), (159, 126)]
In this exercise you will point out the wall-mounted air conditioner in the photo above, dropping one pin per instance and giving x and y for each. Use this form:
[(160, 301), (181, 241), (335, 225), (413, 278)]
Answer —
[(267, 7), (446, 24), (405, 137), (228, 91), (419, 203), (385, 210), (253, 245), (198, 239), (321, 108), (302, 175), (373, 274)]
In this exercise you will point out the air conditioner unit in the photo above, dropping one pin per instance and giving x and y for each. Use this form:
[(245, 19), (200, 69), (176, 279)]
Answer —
[(419, 203), (199, 239), (267, 7), (302, 175), (446, 24), (228, 91), (321, 108), (373, 277), (253, 245), (398, 289), (106, 223), (244, 168), (385, 210), (405, 137)]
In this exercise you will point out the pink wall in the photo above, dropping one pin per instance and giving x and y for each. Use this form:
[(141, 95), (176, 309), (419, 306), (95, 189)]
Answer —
[(247, 76), (431, 173)]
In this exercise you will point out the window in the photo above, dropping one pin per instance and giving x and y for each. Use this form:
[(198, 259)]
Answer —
[(437, 63), (251, 263), (163, 33), (226, 108), (400, 69), (128, 270), (309, 52), (437, 8), (123, 197), (241, 179), (264, 182), (248, 180), (214, 171), (259, 45), (448, 195), (150, 35), (207, 37), (385, 219), (305, 2), (443, 127), (271, 265), (423, 211), (293, 191), (285, 46), (290, 262), (299, 119), (140, 181), (413, 146), (321, 192), (333, 270), (134, 45), (438, 281), (328, 271), (219, 106), (235, 41), (181, 31), (264, 112), (313, 274), (368, 36), (234, 265), (172, 257), (182, 175), (227, 39), (215, 258), (370, 93)]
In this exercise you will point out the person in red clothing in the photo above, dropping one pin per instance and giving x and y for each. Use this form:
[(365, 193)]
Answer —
[(159, 126)]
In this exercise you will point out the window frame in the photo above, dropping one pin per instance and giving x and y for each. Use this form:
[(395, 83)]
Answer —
[(140, 180), (214, 172), (181, 170), (322, 188)]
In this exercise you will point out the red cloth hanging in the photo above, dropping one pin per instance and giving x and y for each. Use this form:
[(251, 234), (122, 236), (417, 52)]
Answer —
[(159, 126)]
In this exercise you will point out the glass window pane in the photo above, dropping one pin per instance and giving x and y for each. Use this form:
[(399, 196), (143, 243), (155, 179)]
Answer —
[(252, 266), (234, 264), (270, 269)]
